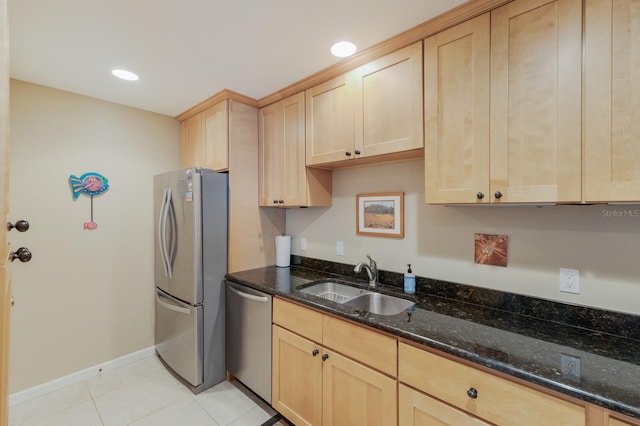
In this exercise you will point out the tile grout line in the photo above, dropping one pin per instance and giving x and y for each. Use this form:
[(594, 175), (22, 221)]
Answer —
[(93, 401), (204, 409)]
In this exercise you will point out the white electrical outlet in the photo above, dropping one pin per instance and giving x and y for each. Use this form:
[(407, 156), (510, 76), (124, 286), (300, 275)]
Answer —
[(340, 248), (303, 243), (570, 280), (570, 367)]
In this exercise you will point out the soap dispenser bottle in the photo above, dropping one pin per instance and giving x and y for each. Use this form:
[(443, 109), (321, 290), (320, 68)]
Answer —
[(409, 281)]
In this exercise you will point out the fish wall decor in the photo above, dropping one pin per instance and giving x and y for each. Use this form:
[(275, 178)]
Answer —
[(90, 184)]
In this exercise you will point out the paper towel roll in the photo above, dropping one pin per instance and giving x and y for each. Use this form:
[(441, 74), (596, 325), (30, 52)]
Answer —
[(283, 251)]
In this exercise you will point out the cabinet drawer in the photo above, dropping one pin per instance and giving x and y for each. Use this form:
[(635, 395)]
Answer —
[(498, 400), (300, 320), (368, 347), (416, 408)]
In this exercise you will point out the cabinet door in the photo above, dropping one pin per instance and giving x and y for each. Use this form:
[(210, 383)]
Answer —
[(192, 148), (329, 119), (285, 181), (456, 96), (297, 378), (215, 133), (388, 108), (612, 101), (418, 409), (356, 395), (536, 59), (617, 422), (294, 179), (270, 156)]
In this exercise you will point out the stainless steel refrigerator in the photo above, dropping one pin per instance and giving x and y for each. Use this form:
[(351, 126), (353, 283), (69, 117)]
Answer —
[(190, 264)]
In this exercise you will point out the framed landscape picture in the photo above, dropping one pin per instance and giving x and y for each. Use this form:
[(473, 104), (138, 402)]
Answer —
[(380, 215)]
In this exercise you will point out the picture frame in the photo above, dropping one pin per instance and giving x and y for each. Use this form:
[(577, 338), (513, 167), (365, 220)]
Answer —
[(380, 214)]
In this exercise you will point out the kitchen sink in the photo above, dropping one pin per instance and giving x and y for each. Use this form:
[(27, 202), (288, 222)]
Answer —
[(333, 291), (380, 304), (358, 298)]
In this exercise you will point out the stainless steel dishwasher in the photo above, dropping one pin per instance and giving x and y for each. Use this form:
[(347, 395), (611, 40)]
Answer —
[(248, 337)]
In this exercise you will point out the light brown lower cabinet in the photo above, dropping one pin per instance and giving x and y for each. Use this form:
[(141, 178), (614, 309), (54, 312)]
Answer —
[(418, 409), (612, 421), (599, 416), (313, 385), (297, 378), (353, 394), (314, 380), (483, 394), (329, 371)]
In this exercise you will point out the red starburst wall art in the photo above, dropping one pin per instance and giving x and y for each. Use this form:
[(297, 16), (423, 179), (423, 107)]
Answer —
[(91, 184), (491, 249)]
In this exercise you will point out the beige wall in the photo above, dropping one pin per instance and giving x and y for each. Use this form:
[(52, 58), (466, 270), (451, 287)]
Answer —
[(86, 297), (603, 242)]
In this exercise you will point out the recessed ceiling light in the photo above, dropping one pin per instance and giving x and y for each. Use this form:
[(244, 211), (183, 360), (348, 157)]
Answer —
[(125, 75), (342, 49)]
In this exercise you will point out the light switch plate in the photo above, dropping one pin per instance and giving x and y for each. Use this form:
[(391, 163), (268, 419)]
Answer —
[(340, 248), (303, 243)]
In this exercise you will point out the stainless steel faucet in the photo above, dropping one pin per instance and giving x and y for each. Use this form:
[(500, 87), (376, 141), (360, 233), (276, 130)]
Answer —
[(372, 271)]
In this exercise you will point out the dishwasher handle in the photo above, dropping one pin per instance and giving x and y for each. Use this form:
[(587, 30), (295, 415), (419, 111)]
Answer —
[(253, 297)]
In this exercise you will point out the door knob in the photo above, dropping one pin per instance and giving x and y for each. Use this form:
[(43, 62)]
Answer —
[(22, 253), (21, 226)]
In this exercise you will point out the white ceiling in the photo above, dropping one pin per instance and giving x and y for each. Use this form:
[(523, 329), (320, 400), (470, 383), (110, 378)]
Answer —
[(187, 50)]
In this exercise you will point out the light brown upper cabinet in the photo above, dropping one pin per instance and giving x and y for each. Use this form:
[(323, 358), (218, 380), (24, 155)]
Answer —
[(205, 138), (215, 133), (612, 101), (374, 110), (536, 103), (329, 119), (533, 150), (456, 90), (191, 145), (388, 110), (284, 179)]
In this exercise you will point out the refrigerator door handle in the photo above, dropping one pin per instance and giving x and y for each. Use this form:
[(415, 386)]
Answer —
[(167, 303), (172, 249), (248, 296), (162, 231)]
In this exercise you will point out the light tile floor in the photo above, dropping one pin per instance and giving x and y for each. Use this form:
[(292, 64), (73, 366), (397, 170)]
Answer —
[(142, 393)]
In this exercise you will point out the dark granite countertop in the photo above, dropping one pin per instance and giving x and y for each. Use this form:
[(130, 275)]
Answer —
[(481, 326)]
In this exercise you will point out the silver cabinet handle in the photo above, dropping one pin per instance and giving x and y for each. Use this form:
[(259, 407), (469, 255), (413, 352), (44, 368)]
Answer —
[(249, 296)]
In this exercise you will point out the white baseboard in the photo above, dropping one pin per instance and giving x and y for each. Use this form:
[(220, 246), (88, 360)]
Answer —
[(78, 376)]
